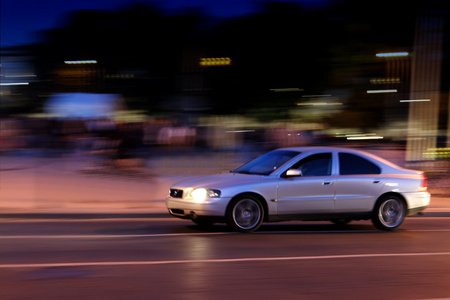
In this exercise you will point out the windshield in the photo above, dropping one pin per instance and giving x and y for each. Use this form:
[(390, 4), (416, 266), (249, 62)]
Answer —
[(267, 163)]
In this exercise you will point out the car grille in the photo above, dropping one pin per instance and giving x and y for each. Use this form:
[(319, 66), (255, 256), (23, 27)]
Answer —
[(175, 193)]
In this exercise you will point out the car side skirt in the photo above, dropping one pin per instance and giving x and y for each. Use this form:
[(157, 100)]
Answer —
[(322, 217), (299, 217)]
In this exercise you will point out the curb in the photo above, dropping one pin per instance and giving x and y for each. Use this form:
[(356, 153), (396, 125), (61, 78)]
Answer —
[(84, 216)]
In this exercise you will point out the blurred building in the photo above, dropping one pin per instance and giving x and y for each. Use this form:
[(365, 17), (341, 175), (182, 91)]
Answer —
[(84, 106), (17, 74), (281, 66), (414, 87), (192, 84), (427, 88)]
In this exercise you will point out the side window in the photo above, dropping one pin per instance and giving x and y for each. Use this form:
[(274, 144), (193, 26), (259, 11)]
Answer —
[(350, 164), (315, 165)]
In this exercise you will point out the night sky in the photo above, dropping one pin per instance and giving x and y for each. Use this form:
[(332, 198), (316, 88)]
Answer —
[(22, 20)]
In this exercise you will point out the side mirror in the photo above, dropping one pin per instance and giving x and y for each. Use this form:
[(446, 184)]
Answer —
[(293, 172)]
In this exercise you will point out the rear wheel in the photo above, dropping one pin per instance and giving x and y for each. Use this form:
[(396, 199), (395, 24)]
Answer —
[(245, 213), (389, 213)]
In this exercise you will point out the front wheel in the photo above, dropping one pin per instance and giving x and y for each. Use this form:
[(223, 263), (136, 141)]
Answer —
[(389, 213), (245, 213)]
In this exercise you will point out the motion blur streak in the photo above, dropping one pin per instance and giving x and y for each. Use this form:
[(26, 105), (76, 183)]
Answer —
[(392, 54)]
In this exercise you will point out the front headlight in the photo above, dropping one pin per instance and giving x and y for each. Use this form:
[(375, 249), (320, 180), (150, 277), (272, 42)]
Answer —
[(203, 194)]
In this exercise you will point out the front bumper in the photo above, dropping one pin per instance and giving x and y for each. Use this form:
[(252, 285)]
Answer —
[(189, 209)]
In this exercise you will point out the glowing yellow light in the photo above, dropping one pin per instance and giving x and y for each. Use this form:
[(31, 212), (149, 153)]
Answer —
[(199, 195), (394, 80), (215, 61)]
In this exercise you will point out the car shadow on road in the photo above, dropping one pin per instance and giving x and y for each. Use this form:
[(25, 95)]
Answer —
[(297, 228), (266, 228), (317, 228)]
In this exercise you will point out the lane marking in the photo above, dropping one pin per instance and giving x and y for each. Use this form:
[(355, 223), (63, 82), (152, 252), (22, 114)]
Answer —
[(219, 260), (106, 236), (430, 230)]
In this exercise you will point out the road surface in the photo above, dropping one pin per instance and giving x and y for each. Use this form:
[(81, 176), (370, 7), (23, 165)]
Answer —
[(167, 258)]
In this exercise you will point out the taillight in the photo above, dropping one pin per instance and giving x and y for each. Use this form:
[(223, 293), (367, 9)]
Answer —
[(424, 185)]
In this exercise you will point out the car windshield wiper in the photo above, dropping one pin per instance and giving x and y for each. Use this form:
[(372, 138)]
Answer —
[(247, 172), (242, 172)]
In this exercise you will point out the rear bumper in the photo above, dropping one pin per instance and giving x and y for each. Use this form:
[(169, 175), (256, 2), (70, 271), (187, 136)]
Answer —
[(415, 210), (417, 202)]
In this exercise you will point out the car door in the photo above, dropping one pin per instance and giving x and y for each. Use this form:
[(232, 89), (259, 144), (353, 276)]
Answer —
[(311, 190), (358, 184)]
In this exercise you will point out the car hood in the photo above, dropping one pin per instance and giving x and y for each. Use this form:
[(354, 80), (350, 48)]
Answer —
[(219, 181)]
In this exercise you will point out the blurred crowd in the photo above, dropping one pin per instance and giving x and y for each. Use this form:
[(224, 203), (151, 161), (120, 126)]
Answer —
[(119, 140), (168, 145)]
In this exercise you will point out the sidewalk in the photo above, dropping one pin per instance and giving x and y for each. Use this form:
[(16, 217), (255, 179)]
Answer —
[(70, 187), (32, 185)]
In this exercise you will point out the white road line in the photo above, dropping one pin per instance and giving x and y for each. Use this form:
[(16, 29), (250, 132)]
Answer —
[(107, 236), (430, 230), (223, 260)]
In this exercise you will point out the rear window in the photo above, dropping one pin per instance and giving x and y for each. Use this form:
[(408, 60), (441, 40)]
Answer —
[(351, 164)]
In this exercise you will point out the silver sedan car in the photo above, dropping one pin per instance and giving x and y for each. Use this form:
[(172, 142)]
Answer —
[(307, 183)]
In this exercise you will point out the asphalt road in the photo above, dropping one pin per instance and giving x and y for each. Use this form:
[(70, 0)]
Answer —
[(169, 258)]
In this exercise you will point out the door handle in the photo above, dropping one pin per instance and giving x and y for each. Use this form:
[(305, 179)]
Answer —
[(376, 181), (327, 183)]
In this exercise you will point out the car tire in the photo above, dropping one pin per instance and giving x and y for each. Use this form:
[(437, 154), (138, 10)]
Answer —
[(389, 213), (245, 213)]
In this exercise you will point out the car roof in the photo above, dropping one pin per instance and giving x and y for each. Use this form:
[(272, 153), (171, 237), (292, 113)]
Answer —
[(313, 149), (323, 148), (388, 167)]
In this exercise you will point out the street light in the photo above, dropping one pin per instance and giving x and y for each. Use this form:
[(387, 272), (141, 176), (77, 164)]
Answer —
[(392, 54), (382, 91), (80, 62), (416, 100)]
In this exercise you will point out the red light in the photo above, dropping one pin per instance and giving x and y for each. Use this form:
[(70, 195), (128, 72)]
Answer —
[(424, 183)]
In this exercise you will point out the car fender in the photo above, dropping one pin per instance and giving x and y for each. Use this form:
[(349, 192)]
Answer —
[(265, 190)]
